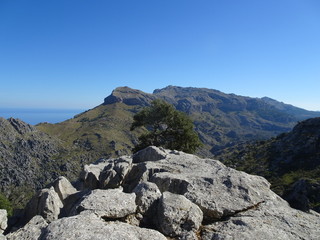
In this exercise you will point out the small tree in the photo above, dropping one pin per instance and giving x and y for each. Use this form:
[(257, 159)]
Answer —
[(167, 127)]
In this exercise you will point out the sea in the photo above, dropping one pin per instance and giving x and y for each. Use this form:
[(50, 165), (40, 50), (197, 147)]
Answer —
[(35, 116)]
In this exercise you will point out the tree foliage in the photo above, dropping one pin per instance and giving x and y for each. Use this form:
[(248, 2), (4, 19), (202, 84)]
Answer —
[(6, 204), (167, 127)]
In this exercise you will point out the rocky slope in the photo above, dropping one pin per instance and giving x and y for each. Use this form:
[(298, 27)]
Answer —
[(26, 159), (291, 162), (163, 194)]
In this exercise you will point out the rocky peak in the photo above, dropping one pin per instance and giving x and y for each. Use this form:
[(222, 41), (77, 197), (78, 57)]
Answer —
[(129, 96), (164, 194)]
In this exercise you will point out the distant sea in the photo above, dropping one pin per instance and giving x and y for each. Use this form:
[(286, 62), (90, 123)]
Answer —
[(35, 116)]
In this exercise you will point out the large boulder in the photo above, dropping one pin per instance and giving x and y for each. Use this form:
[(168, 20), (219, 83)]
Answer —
[(88, 226), (63, 187), (147, 194), (109, 204), (218, 190), (32, 230), (45, 203), (151, 153), (106, 173), (177, 216), (147, 198)]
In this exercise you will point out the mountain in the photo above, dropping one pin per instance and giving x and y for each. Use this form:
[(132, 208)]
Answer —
[(33, 155), (299, 113), (220, 119), (161, 194), (290, 161)]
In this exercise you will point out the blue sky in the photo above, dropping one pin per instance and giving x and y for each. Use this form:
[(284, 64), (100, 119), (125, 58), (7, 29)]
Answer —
[(73, 53)]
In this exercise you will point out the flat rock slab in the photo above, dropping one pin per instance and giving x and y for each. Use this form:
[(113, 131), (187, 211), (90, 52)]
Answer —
[(111, 203), (267, 221), (91, 227)]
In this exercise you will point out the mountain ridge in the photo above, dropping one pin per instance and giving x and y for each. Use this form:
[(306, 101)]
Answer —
[(220, 119)]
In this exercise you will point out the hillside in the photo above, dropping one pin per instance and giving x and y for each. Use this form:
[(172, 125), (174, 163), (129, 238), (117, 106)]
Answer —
[(220, 119), (26, 160), (291, 162)]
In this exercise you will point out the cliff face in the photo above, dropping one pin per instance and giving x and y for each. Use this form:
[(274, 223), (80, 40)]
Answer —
[(161, 194)]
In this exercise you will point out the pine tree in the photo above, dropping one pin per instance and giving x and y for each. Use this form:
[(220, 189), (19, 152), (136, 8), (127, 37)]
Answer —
[(166, 127)]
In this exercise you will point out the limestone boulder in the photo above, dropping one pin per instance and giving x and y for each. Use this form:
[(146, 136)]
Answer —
[(147, 195), (88, 226), (114, 173), (147, 199), (32, 230), (269, 220), (63, 187), (45, 203), (106, 173), (218, 190), (178, 216), (151, 153), (109, 204)]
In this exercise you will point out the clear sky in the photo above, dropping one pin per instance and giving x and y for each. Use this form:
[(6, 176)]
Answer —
[(73, 53)]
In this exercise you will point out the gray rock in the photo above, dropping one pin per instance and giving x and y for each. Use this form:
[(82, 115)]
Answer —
[(110, 204), (218, 190), (32, 230), (151, 153), (106, 173), (3, 220), (177, 216), (90, 174), (114, 173), (270, 220), (147, 193), (90, 227), (63, 187), (45, 203)]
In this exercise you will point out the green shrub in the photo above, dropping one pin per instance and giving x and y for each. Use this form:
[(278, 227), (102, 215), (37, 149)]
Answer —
[(6, 204)]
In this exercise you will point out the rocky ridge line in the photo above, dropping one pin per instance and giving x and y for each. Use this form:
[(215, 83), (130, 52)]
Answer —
[(163, 194)]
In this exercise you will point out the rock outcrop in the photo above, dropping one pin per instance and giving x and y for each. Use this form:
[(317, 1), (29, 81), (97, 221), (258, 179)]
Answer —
[(171, 195)]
